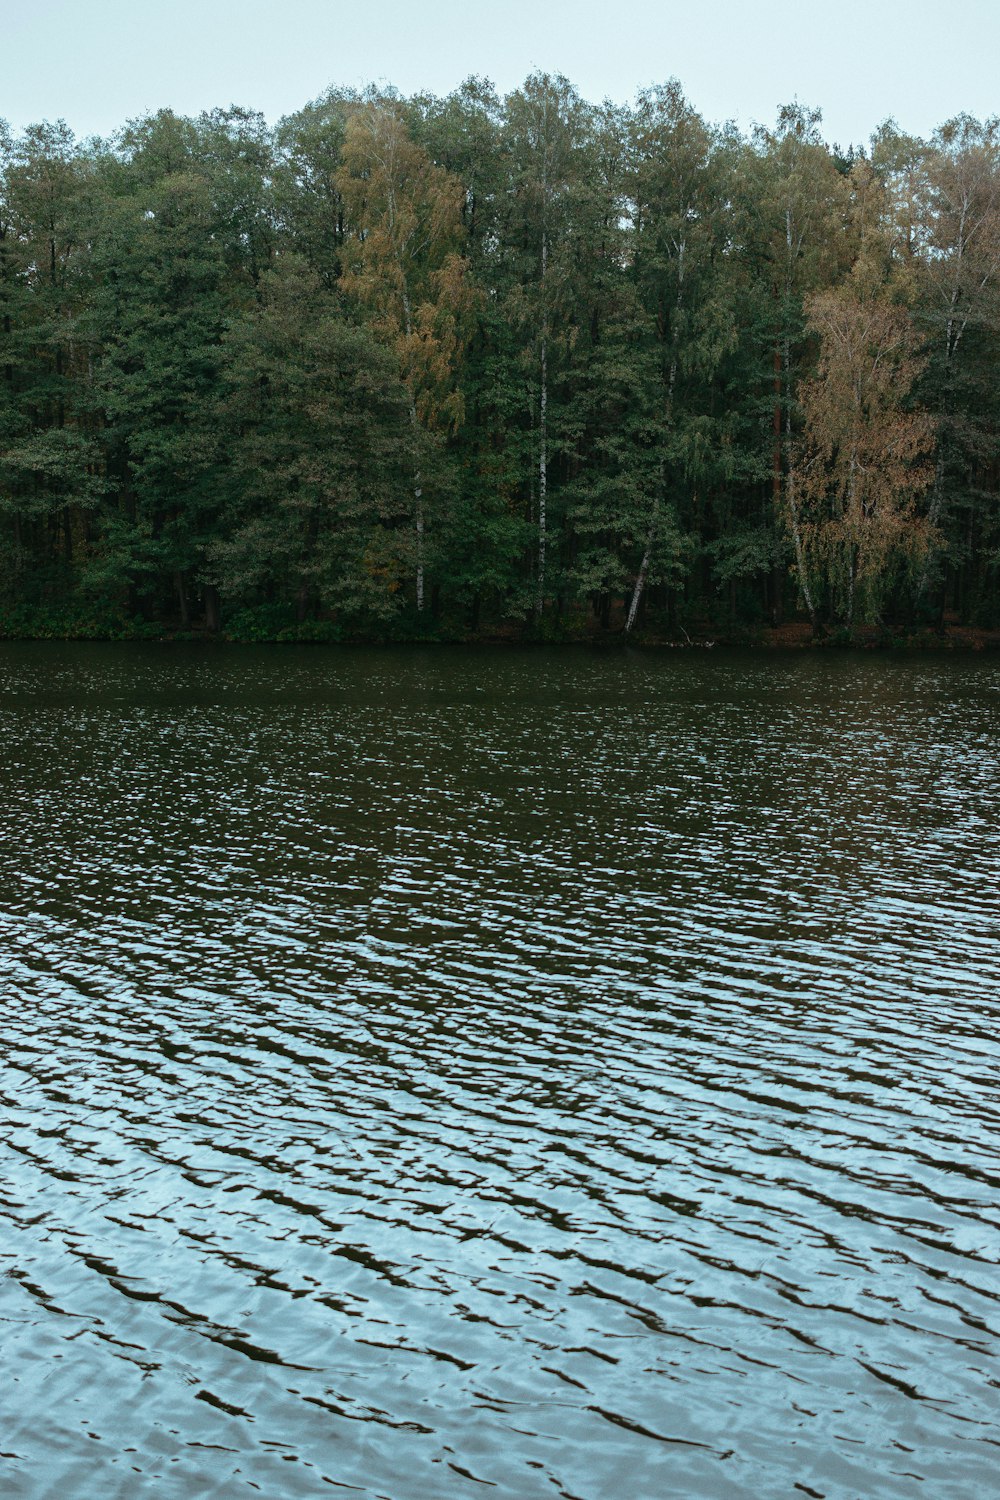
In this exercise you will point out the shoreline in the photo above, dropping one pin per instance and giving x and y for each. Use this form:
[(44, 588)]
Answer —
[(794, 636)]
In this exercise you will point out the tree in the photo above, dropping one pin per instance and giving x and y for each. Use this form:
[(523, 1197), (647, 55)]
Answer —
[(316, 427), (50, 470), (483, 533), (797, 225), (501, 360), (158, 315), (679, 190), (861, 463), (960, 307), (546, 125), (309, 210), (404, 267)]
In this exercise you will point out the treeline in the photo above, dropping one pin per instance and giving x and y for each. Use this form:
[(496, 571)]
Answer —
[(399, 366)]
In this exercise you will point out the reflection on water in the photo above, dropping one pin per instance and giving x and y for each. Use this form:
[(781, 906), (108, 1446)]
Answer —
[(572, 1075)]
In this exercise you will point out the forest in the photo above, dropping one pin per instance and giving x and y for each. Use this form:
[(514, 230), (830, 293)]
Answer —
[(454, 368)]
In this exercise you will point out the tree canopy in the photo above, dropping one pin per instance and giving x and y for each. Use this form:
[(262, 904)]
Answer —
[(497, 363)]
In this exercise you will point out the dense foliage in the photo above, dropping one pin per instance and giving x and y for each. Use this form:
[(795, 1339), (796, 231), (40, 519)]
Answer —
[(401, 366)]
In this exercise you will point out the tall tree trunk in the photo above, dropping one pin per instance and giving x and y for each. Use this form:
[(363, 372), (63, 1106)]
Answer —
[(418, 489), (212, 611), (777, 581), (800, 560), (543, 478), (543, 446), (640, 581), (776, 431), (418, 512), (954, 329), (791, 500), (307, 555), (180, 584), (933, 517)]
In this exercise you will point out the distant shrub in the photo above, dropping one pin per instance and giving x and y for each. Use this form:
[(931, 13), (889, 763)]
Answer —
[(259, 622), (74, 621)]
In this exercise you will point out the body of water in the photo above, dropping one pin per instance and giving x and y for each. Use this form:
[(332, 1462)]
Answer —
[(435, 1074)]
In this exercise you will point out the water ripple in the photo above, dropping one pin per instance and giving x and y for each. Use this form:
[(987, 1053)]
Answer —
[(547, 1074)]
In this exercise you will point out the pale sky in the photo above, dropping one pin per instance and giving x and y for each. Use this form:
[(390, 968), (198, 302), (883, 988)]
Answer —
[(97, 63)]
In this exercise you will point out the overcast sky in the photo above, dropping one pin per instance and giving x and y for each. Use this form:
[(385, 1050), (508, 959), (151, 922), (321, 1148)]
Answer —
[(96, 63)]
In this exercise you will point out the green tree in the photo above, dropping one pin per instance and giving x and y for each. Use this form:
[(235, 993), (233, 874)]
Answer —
[(546, 127), (317, 428), (798, 227), (960, 309), (681, 267), (50, 465), (308, 206), (405, 268), (158, 314)]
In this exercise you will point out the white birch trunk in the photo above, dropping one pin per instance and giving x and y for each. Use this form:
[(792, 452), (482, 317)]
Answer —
[(793, 507), (641, 576), (954, 328), (800, 560), (418, 489), (418, 508), (543, 398), (418, 500), (640, 582), (543, 460)]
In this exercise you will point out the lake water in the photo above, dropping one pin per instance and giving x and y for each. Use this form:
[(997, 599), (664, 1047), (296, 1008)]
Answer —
[(435, 1074)]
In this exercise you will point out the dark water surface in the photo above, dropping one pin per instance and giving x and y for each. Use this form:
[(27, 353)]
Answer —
[(572, 1075)]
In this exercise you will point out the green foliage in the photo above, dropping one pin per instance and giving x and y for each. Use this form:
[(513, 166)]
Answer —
[(277, 622), (422, 369), (74, 622)]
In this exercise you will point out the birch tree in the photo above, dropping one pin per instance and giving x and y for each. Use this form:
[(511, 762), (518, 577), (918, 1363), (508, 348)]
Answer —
[(800, 211), (546, 123), (404, 266), (961, 309), (677, 194), (863, 459)]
